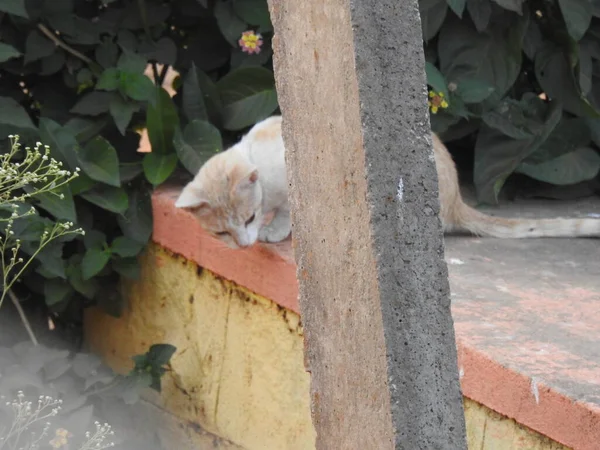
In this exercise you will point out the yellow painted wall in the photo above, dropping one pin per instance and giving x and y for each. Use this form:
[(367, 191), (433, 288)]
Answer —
[(238, 371)]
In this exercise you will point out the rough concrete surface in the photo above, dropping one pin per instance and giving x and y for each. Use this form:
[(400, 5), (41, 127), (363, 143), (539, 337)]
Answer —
[(373, 284)]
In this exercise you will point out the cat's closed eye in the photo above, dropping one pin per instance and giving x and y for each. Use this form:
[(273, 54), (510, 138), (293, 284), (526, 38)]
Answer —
[(222, 233), (250, 220)]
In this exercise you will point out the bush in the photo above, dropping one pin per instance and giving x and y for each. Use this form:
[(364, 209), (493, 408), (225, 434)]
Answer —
[(75, 75), (497, 63)]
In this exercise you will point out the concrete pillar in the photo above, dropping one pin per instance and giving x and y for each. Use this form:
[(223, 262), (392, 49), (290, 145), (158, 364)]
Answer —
[(373, 283)]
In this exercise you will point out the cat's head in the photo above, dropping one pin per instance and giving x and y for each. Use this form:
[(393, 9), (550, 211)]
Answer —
[(226, 198)]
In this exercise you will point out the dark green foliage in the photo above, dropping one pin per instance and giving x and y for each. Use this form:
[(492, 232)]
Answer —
[(88, 98), (492, 59)]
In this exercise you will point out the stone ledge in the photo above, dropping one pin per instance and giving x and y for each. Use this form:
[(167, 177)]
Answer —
[(508, 304)]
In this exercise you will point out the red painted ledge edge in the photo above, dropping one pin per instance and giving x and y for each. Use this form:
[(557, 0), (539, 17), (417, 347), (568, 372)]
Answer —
[(269, 270)]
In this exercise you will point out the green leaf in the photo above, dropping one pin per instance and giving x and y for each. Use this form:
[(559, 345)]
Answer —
[(553, 72), (458, 6), (107, 53), (158, 167), (122, 111), (137, 86), (193, 98), (108, 197), (511, 5), (254, 12), (125, 247), (100, 162), (37, 46), (580, 165), (594, 127), (131, 62), (433, 14), (8, 52), (93, 262), (16, 7), (248, 96), (199, 141), (136, 223), (230, 24), (61, 140), (94, 239), (93, 104), (161, 121), (109, 80), (497, 155), (14, 115), (492, 57), (60, 208), (569, 135), (160, 354), (577, 15), (480, 12), (435, 79), (127, 267), (474, 91), (56, 291)]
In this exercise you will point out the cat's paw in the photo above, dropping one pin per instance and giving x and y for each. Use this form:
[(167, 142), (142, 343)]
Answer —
[(273, 234)]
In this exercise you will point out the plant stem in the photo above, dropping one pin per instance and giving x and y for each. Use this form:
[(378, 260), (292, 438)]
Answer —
[(50, 35), (24, 319)]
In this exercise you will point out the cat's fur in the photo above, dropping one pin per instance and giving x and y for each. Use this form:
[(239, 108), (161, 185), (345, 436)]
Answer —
[(234, 190)]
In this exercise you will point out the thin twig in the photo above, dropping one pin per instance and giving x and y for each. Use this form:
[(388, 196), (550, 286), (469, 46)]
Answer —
[(26, 324), (50, 35)]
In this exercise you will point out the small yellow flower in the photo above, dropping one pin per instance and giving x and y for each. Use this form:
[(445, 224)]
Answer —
[(250, 42), (60, 438), (436, 101)]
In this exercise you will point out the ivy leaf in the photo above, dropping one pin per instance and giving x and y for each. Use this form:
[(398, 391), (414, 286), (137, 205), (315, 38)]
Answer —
[(199, 141), (435, 79), (458, 6), (136, 223), (125, 247), (137, 86), (61, 208), (122, 111), (493, 57), (230, 24), (14, 115), (16, 7), (472, 90), (161, 120), (87, 288), (93, 104), (100, 162), (56, 291), (37, 46), (131, 62), (433, 14), (127, 267), (108, 197), (61, 141), (248, 96), (480, 12), (158, 167), (109, 80), (577, 15), (160, 354), (511, 5), (254, 12), (580, 165), (569, 135), (8, 52), (93, 262), (553, 72), (497, 154), (193, 98)]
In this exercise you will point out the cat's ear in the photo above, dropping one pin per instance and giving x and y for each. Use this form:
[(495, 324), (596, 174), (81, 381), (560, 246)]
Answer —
[(243, 178), (191, 198)]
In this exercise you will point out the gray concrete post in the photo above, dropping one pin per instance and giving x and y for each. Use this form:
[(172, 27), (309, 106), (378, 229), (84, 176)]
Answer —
[(374, 292)]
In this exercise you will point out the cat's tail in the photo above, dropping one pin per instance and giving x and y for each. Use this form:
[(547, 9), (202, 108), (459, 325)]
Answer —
[(477, 223)]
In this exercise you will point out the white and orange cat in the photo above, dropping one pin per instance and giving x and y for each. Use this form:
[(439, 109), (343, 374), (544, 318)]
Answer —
[(234, 191)]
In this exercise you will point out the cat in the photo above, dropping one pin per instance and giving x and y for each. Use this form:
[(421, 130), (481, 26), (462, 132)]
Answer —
[(235, 189)]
